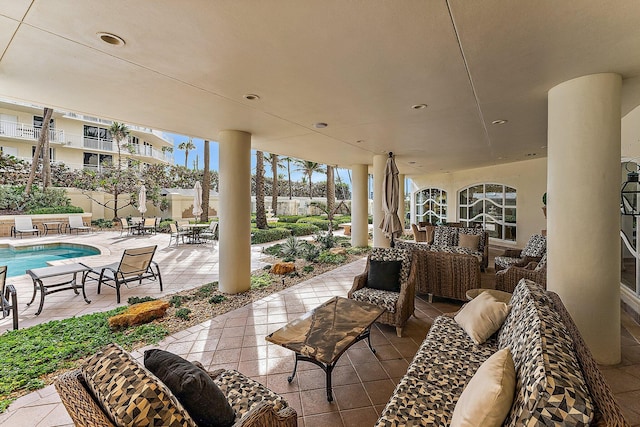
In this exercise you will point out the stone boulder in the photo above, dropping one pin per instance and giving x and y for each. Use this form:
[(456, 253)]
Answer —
[(283, 268), (138, 314), (338, 251)]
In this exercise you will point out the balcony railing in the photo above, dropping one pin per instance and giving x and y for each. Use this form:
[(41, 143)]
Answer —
[(28, 132)]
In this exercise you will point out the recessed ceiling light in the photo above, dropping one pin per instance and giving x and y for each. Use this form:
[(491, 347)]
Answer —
[(251, 96), (419, 106), (360, 141), (531, 154), (111, 39), (320, 125), (499, 122), (412, 163)]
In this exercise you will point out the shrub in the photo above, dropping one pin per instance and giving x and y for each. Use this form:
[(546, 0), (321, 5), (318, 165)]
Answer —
[(328, 258), (176, 300), (292, 247), (299, 229), (274, 250), (13, 197), (307, 269), (261, 280), (102, 223), (268, 235), (289, 218), (312, 252), (359, 251), (217, 299), (206, 290), (327, 241), (55, 210), (138, 300), (183, 313), (163, 227), (321, 223)]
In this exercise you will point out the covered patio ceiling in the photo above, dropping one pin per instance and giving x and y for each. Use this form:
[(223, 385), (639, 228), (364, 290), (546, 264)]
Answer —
[(358, 66)]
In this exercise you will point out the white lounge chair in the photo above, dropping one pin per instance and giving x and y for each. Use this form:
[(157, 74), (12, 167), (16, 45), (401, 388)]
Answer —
[(23, 224), (76, 223), (210, 234)]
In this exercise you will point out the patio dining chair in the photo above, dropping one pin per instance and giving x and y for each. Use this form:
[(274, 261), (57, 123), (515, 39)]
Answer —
[(136, 264), (150, 225), (176, 234), (23, 224), (76, 223), (210, 234), (124, 226), (8, 298)]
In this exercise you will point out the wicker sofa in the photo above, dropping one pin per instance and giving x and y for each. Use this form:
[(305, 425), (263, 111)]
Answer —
[(557, 380), (141, 394), (445, 238), (443, 274)]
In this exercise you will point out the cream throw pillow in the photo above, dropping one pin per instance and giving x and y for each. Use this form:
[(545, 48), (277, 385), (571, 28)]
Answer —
[(487, 398), (471, 241), (482, 316)]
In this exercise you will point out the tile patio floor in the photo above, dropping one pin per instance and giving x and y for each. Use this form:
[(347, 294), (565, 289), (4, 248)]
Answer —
[(363, 381)]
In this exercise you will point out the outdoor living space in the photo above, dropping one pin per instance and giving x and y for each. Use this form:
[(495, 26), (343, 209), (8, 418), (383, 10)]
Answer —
[(362, 381)]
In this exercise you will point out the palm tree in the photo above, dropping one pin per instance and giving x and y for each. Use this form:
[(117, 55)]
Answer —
[(275, 164), (206, 184), (308, 168), (43, 140), (186, 146), (119, 132), (331, 197), (288, 160), (261, 216)]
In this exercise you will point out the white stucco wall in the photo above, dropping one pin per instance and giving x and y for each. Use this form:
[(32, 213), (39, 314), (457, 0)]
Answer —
[(529, 178)]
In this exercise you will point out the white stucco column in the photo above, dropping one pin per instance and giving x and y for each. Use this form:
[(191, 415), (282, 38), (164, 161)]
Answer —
[(359, 206), (401, 196), (379, 163), (583, 207), (235, 211)]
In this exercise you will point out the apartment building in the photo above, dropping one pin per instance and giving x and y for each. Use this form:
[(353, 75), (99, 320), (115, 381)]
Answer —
[(77, 140)]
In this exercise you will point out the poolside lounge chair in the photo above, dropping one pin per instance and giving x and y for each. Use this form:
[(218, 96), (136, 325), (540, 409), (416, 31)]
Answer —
[(76, 223), (176, 234), (23, 224), (135, 265), (8, 297)]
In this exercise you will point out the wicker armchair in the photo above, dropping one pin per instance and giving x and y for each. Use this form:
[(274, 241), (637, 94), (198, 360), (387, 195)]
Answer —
[(534, 250), (506, 280), (418, 235), (250, 411), (399, 305)]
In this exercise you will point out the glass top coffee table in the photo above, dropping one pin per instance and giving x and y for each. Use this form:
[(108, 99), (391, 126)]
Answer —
[(322, 335)]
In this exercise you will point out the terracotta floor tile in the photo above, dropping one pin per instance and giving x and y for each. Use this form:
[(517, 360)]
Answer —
[(315, 402), (379, 391), (371, 371), (332, 419), (350, 396), (359, 417)]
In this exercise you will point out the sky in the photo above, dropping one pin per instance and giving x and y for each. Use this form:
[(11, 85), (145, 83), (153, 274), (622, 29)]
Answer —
[(179, 157)]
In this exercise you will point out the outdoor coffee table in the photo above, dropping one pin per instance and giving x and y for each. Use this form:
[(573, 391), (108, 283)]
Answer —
[(39, 274), (322, 335)]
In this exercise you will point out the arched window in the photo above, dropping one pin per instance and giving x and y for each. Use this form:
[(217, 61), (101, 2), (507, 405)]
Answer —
[(431, 205), (491, 205)]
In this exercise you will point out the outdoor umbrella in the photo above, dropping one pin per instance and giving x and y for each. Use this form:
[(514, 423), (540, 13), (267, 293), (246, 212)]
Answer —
[(142, 200), (197, 200), (391, 225)]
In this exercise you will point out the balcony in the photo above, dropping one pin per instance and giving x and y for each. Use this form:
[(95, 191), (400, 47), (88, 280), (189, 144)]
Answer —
[(28, 132)]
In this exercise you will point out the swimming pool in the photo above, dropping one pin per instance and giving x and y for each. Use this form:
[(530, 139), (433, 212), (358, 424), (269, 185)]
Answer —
[(23, 258)]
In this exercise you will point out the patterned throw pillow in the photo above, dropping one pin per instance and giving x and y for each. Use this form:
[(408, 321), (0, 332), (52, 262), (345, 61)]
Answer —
[(542, 263), (129, 394), (394, 254), (445, 236), (536, 246)]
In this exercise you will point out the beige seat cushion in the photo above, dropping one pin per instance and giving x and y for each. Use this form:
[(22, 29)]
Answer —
[(487, 398), (471, 241), (482, 316)]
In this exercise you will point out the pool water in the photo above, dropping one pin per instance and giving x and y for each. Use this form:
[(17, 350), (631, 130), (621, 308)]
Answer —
[(19, 260)]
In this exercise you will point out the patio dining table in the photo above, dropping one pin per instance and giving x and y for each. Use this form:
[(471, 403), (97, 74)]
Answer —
[(194, 232)]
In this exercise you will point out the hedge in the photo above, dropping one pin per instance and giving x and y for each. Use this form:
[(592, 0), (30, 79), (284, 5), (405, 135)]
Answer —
[(289, 218), (56, 210), (299, 229), (268, 235), (323, 224)]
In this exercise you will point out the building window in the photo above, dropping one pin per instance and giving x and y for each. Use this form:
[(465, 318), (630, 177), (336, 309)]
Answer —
[(492, 206), (431, 205), (52, 153), (95, 161), (37, 122)]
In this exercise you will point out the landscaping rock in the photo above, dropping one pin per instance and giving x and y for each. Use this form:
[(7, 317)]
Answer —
[(283, 268), (338, 251), (139, 313)]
